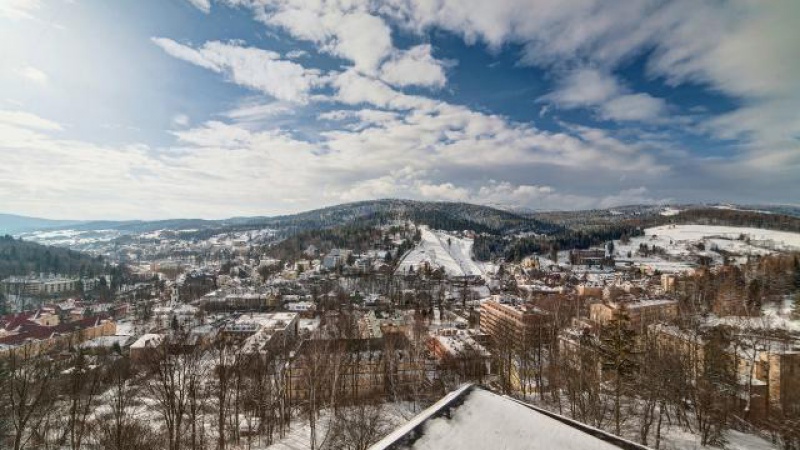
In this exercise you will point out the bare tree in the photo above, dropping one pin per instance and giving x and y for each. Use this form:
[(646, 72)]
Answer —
[(81, 386), (118, 428), (27, 390), (357, 427), (174, 368)]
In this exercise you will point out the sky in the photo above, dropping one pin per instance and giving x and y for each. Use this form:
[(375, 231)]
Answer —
[(219, 108)]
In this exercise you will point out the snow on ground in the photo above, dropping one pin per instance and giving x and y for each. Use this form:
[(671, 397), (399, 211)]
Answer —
[(70, 238), (299, 436), (760, 239), (670, 212), (680, 243), (486, 420), (678, 439), (433, 248), (774, 316)]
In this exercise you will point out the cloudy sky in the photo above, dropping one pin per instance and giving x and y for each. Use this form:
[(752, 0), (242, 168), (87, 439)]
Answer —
[(219, 108)]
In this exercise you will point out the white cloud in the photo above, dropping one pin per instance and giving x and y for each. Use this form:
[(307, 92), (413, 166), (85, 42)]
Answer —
[(429, 154), (634, 107), (584, 87), (415, 66), (354, 31), (33, 74), (592, 88), (353, 88), (742, 48), (253, 111), (394, 144), (19, 9), (348, 30), (296, 54), (27, 120), (202, 5), (252, 67)]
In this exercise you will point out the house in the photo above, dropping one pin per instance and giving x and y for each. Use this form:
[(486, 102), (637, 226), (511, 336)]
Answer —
[(518, 322), (592, 257), (22, 334), (460, 351), (258, 331), (640, 313), (367, 368), (335, 257), (145, 346)]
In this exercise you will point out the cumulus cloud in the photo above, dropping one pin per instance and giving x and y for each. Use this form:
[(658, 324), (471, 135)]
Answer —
[(415, 66), (589, 87), (380, 137), (744, 49), (348, 31), (258, 69), (357, 32), (634, 107)]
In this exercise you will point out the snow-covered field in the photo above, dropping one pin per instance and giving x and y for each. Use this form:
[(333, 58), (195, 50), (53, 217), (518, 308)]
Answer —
[(774, 316), (299, 435), (455, 257), (71, 238), (680, 242), (725, 237)]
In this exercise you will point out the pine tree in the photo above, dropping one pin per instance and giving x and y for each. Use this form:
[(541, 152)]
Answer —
[(797, 272)]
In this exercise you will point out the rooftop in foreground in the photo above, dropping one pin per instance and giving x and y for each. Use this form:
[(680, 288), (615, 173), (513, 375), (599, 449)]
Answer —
[(475, 418)]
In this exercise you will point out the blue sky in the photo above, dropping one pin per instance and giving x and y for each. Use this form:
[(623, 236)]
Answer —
[(204, 108)]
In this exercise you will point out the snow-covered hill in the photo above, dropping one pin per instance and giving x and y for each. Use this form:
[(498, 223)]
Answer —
[(683, 243), (440, 249)]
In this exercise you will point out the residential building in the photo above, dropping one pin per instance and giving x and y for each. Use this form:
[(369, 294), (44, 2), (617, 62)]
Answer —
[(640, 313)]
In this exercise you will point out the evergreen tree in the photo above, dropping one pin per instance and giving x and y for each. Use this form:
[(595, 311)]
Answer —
[(796, 306), (174, 325), (797, 272)]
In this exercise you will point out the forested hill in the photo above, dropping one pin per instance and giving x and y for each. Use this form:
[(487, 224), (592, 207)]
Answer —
[(12, 224), (18, 257), (734, 218), (440, 215)]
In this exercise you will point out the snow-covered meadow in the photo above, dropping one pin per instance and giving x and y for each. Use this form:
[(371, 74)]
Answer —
[(685, 242)]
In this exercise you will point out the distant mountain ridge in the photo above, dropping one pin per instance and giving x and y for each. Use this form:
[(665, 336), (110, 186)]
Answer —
[(13, 224), (443, 215)]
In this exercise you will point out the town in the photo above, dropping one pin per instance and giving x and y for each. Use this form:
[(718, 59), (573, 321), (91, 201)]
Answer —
[(331, 339)]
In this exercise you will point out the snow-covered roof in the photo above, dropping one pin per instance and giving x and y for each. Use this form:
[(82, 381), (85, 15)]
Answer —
[(148, 340), (474, 418)]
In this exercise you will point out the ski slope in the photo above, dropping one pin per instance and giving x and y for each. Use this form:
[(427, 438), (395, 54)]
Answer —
[(455, 258)]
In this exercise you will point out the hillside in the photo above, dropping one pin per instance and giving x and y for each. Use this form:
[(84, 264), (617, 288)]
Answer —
[(13, 224), (438, 215), (18, 257), (438, 249)]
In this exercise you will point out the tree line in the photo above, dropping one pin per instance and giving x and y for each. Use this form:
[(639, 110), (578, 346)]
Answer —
[(19, 257)]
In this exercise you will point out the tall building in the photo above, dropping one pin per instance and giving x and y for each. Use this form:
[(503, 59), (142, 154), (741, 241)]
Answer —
[(521, 322), (38, 285), (640, 313)]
